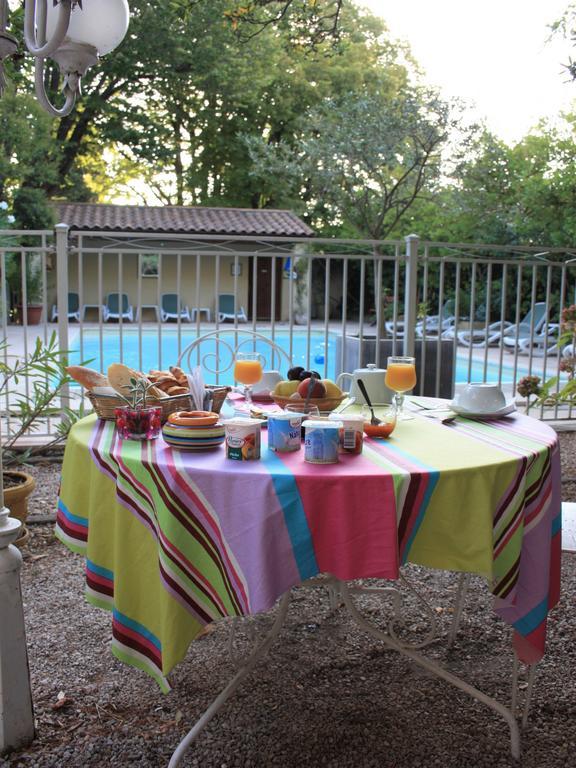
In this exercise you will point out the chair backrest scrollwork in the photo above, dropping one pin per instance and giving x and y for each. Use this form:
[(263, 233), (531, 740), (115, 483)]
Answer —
[(216, 352)]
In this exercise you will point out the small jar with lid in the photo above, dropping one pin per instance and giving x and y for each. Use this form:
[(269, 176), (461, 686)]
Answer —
[(351, 434)]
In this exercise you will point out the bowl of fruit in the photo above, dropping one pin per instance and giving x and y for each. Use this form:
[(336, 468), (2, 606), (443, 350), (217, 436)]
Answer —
[(325, 393)]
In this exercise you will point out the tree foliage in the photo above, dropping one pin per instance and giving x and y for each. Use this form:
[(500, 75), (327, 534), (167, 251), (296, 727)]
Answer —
[(520, 195), (360, 162), (307, 104)]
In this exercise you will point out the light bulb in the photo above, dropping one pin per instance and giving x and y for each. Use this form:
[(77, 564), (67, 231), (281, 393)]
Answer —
[(101, 24)]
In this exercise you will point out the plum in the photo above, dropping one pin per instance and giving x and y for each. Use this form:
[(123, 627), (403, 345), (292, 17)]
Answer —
[(294, 373), (309, 375)]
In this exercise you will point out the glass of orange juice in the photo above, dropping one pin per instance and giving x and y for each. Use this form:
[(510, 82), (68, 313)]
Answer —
[(248, 371), (401, 378)]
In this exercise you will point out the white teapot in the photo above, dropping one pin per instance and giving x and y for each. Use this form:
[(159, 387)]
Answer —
[(373, 379)]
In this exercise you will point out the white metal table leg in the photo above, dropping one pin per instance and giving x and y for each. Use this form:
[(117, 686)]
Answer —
[(529, 690), (531, 676), (338, 590), (435, 669), (245, 668), (333, 595), (463, 584)]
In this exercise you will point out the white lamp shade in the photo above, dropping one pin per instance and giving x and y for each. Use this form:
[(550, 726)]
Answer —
[(99, 23)]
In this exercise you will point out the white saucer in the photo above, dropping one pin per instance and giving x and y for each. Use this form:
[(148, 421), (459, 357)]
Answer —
[(510, 407)]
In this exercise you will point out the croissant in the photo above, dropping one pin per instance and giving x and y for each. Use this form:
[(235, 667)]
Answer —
[(179, 375)]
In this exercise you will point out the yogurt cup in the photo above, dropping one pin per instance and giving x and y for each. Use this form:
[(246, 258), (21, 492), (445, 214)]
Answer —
[(321, 440), (284, 432), (242, 438), (351, 435)]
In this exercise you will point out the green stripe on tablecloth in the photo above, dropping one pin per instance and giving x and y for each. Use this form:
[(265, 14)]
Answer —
[(138, 590)]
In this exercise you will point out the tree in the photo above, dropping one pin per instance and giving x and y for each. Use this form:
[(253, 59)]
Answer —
[(309, 23), (508, 195), (360, 162), (28, 158)]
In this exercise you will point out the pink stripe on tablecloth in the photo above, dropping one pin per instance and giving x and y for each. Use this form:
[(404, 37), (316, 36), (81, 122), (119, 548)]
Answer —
[(357, 535)]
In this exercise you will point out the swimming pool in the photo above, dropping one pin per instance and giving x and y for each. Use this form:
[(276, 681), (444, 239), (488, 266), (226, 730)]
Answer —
[(313, 353)]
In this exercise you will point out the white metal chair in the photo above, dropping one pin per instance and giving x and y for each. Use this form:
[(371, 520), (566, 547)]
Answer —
[(216, 351)]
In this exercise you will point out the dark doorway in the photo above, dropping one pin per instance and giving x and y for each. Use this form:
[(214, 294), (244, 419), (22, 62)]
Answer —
[(264, 289)]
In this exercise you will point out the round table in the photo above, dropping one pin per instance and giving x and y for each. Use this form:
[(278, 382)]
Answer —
[(175, 540)]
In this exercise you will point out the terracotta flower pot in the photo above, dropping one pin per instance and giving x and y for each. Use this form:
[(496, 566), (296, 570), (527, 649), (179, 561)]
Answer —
[(16, 497), (33, 314)]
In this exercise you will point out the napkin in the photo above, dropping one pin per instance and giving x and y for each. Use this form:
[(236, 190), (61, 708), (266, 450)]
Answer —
[(197, 388)]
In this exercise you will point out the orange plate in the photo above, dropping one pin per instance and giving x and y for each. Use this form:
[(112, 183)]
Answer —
[(379, 430), (193, 418)]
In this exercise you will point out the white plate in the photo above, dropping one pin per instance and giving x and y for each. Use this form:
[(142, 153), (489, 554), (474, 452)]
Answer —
[(510, 407)]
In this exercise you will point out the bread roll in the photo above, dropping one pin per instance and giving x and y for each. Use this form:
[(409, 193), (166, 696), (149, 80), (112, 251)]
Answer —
[(158, 375), (119, 376), (179, 375), (177, 390), (88, 377), (165, 383)]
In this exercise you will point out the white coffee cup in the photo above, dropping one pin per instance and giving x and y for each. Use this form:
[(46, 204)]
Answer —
[(481, 398)]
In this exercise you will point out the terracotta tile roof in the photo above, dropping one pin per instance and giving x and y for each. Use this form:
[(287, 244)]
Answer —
[(181, 219)]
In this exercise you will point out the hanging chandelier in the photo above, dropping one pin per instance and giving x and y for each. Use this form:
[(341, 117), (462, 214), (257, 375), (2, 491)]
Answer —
[(73, 33)]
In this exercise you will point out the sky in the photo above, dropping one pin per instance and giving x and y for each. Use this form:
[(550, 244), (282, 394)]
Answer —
[(492, 52)]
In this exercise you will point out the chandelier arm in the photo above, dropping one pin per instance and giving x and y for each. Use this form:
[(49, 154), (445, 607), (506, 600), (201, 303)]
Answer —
[(42, 96), (38, 46)]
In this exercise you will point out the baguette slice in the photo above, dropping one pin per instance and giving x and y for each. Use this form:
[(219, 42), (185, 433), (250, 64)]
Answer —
[(88, 377), (119, 377)]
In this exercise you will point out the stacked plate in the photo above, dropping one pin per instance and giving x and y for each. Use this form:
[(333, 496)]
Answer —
[(201, 437)]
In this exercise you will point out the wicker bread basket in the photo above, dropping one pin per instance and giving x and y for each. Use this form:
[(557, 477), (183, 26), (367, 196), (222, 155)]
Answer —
[(105, 405)]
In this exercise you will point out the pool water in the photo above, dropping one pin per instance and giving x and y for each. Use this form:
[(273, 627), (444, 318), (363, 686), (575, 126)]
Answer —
[(310, 353), (146, 355)]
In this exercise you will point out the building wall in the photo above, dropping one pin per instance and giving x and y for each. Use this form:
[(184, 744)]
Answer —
[(192, 274)]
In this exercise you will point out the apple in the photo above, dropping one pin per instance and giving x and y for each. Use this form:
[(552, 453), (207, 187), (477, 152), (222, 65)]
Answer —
[(318, 389), (332, 389), (285, 388)]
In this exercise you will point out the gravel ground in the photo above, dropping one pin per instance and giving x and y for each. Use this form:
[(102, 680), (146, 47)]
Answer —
[(324, 696)]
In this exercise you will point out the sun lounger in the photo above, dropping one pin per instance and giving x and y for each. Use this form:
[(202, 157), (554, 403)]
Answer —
[(115, 308), (172, 308)]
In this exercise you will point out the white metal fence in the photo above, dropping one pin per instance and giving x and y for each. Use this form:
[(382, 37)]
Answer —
[(468, 312)]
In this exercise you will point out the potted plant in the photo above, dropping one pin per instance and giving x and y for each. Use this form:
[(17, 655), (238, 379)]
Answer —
[(554, 392), (136, 420), (28, 407), (301, 291), (32, 281)]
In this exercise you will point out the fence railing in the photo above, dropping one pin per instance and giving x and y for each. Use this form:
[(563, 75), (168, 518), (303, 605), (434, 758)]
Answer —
[(469, 312)]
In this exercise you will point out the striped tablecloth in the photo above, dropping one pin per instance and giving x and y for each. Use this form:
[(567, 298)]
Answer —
[(175, 540)]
